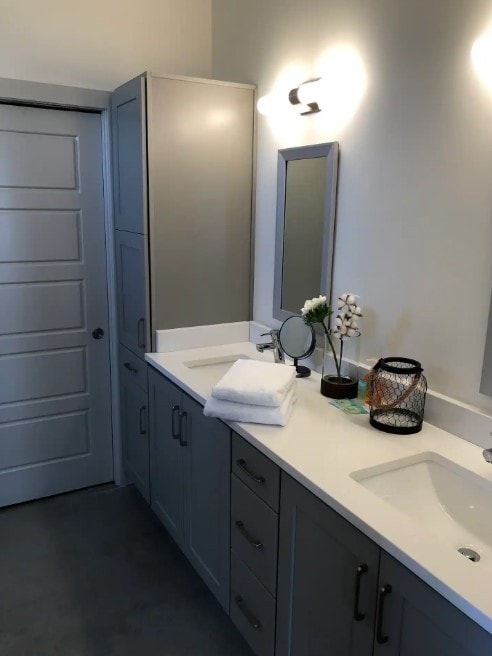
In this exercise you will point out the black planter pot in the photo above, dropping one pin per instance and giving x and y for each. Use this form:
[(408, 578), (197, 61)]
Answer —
[(339, 388)]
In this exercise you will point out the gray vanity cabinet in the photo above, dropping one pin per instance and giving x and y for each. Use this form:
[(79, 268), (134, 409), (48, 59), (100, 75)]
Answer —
[(414, 620), (327, 579), (134, 420), (131, 289), (190, 480)]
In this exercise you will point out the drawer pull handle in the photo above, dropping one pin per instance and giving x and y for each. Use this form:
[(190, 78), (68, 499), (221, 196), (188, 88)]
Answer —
[(183, 424), (130, 368), (141, 333), (255, 623), (175, 432), (256, 544), (257, 479), (141, 423), (358, 616), (383, 592)]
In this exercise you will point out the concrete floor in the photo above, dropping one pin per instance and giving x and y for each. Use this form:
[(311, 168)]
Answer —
[(93, 573)]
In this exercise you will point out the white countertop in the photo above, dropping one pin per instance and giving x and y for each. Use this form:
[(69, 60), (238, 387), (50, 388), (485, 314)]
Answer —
[(321, 447)]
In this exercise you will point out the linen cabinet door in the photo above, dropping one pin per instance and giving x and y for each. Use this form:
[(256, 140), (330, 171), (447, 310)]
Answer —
[(134, 426), (207, 497), (414, 620), (327, 579), (132, 291), (166, 454), (129, 138)]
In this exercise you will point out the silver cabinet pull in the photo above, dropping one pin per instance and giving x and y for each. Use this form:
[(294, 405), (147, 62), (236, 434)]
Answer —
[(175, 423), (141, 333), (256, 544), (257, 479), (141, 423), (183, 424), (255, 623)]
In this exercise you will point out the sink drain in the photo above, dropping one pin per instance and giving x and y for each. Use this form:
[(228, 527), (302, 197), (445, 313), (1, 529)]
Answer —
[(470, 554)]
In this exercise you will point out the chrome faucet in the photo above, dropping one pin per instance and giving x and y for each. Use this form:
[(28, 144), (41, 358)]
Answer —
[(487, 454), (274, 346)]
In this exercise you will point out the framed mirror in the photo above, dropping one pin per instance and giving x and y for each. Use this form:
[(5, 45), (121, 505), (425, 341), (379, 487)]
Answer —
[(305, 229)]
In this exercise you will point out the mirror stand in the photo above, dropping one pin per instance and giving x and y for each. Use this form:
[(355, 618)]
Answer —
[(302, 371)]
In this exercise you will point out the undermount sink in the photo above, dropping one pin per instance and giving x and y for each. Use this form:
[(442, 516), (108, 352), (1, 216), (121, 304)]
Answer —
[(215, 367), (444, 498)]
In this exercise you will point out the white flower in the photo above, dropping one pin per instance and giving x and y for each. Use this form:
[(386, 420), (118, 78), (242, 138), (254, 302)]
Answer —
[(312, 303)]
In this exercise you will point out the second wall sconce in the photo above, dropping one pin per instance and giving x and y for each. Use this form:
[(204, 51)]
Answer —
[(306, 96)]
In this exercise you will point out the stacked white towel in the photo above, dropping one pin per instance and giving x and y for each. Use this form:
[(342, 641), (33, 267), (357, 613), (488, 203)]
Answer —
[(255, 392)]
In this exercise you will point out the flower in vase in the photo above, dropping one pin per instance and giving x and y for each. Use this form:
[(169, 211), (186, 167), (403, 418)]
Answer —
[(316, 310)]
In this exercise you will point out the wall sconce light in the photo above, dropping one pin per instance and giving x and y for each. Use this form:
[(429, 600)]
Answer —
[(307, 96)]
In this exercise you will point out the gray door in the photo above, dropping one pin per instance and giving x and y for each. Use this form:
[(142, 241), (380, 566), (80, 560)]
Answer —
[(414, 620), (207, 497), (131, 281), (55, 402), (166, 454), (327, 579)]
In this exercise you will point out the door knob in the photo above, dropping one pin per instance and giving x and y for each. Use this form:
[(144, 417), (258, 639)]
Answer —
[(98, 333)]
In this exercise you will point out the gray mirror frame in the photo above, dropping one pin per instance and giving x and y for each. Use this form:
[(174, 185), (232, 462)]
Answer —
[(331, 152)]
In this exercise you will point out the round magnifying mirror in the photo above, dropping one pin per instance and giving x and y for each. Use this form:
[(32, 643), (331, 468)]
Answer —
[(297, 340)]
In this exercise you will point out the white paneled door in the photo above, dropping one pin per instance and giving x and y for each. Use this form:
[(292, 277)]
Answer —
[(55, 397)]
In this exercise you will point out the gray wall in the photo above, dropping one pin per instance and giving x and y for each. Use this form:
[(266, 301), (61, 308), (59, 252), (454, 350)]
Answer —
[(414, 225), (100, 44)]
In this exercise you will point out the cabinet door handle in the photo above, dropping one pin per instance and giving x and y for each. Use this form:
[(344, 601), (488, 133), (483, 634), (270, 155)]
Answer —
[(141, 333), (183, 425), (257, 479), (141, 423), (362, 569), (256, 544), (255, 623), (383, 592), (130, 368), (175, 416)]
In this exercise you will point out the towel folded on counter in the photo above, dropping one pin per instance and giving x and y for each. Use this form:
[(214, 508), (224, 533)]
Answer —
[(255, 382), (255, 414)]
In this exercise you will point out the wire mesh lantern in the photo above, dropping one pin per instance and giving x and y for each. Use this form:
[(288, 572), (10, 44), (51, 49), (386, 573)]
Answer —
[(396, 389)]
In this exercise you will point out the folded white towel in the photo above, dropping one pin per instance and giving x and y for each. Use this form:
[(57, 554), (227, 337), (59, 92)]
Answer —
[(254, 414), (255, 382)]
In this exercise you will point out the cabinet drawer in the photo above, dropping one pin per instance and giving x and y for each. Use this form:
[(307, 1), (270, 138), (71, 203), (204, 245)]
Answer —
[(254, 533), (256, 471), (133, 367), (252, 609)]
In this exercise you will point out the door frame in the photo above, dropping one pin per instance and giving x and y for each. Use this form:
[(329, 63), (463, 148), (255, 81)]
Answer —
[(54, 96)]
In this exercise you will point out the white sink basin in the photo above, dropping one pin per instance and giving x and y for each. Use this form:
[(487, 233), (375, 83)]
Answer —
[(215, 367), (449, 501)]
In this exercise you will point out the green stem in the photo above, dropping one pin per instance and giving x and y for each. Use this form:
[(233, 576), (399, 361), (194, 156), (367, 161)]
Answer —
[(327, 333)]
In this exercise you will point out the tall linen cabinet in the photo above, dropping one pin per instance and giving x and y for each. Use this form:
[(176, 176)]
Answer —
[(182, 192)]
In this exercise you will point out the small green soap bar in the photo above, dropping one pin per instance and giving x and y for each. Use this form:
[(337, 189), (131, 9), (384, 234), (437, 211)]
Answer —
[(349, 407)]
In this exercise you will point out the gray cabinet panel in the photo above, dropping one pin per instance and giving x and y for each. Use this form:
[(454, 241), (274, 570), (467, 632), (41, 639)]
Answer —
[(190, 486), (166, 454), (254, 534), (207, 457), (128, 115), (417, 621), (252, 609), (256, 471), (319, 557), (135, 432), (132, 293), (200, 172)]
